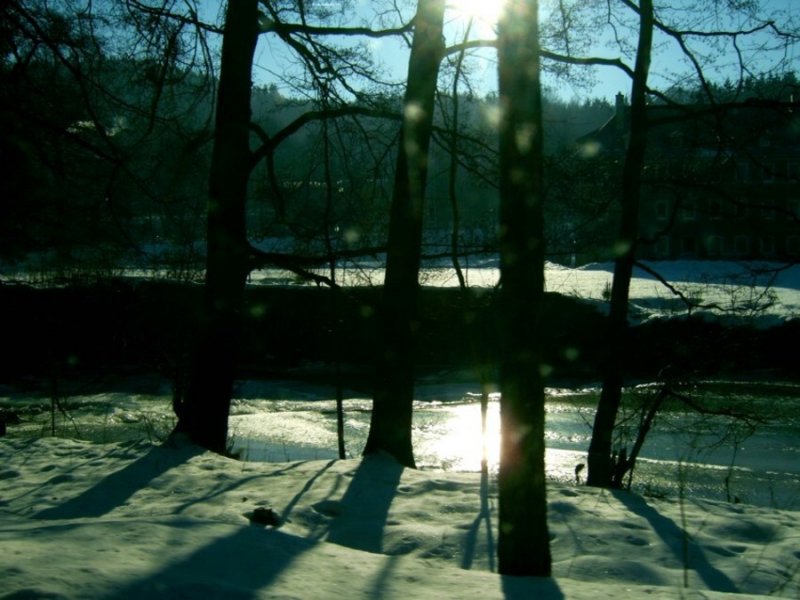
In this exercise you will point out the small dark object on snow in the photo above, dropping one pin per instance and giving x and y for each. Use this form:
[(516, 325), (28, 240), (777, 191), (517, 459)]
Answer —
[(10, 417), (265, 516), (7, 417), (578, 468)]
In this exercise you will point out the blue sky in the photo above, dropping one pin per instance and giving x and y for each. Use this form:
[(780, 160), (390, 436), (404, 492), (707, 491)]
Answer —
[(669, 64)]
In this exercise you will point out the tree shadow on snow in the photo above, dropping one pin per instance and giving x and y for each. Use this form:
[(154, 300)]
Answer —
[(674, 537), (308, 485), (485, 517), (115, 489), (359, 518), (235, 567), (241, 565)]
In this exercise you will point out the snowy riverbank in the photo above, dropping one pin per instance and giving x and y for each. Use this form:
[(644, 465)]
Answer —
[(766, 293), (82, 520)]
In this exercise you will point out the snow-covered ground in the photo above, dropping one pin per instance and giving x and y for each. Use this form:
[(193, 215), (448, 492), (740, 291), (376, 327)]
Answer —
[(767, 293), (89, 521)]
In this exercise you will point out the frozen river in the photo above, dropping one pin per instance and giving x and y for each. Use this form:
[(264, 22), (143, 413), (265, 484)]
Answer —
[(291, 420), (699, 455), (281, 421)]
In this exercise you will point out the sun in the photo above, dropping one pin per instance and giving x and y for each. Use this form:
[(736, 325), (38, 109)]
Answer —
[(484, 12)]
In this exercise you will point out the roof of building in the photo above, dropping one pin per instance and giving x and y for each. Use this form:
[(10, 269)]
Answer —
[(723, 127)]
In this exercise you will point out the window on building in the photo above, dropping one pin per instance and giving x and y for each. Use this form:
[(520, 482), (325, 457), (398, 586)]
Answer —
[(781, 170), (688, 210), (715, 209), (768, 173), (714, 245), (742, 172), (793, 206), (741, 245), (662, 247), (662, 209), (767, 211), (766, 246), (793, 172), (688, 246), (793, 245)]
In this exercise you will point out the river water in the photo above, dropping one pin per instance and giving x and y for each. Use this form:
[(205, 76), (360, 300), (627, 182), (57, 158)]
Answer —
[(685, 453), (705, 455)]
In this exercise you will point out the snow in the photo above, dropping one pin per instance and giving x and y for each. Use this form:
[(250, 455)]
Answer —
[(765, 294), (90, 520), (136, 520)]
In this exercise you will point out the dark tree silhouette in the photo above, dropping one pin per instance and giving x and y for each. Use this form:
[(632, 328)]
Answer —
[(203, 413), (390, 426), (601, 467), (602, 462), (523, 542)]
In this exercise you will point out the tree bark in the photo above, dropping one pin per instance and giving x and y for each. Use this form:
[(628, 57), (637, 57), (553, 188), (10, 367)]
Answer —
[(600, 460), (523, 542), (390, 426), (203, 414)]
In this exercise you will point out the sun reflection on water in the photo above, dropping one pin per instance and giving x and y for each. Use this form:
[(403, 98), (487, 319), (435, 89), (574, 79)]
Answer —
[(459, 441), (446, 435)]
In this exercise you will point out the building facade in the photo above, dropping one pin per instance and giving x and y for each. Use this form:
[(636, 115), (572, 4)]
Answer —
[(719, 182)]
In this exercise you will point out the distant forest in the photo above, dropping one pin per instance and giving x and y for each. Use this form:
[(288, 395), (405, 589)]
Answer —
[(113, 185)]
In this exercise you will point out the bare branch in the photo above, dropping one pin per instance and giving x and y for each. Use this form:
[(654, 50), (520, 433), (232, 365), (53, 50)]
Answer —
[(588, 61), (285, 29), (269, 143), (747, 417), (191, 19)]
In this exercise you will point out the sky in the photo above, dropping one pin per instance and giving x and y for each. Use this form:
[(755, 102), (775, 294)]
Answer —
[(669, 65)]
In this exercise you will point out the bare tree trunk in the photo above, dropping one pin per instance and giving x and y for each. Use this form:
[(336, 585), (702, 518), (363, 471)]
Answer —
[(390, 427), (523, 545), (601, 464), (335, 291), (203, 414), (455, 231)]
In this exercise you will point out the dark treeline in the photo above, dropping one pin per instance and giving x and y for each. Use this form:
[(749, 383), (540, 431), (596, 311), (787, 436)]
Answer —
[(104, 330), (131, 185), (126, 168)]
